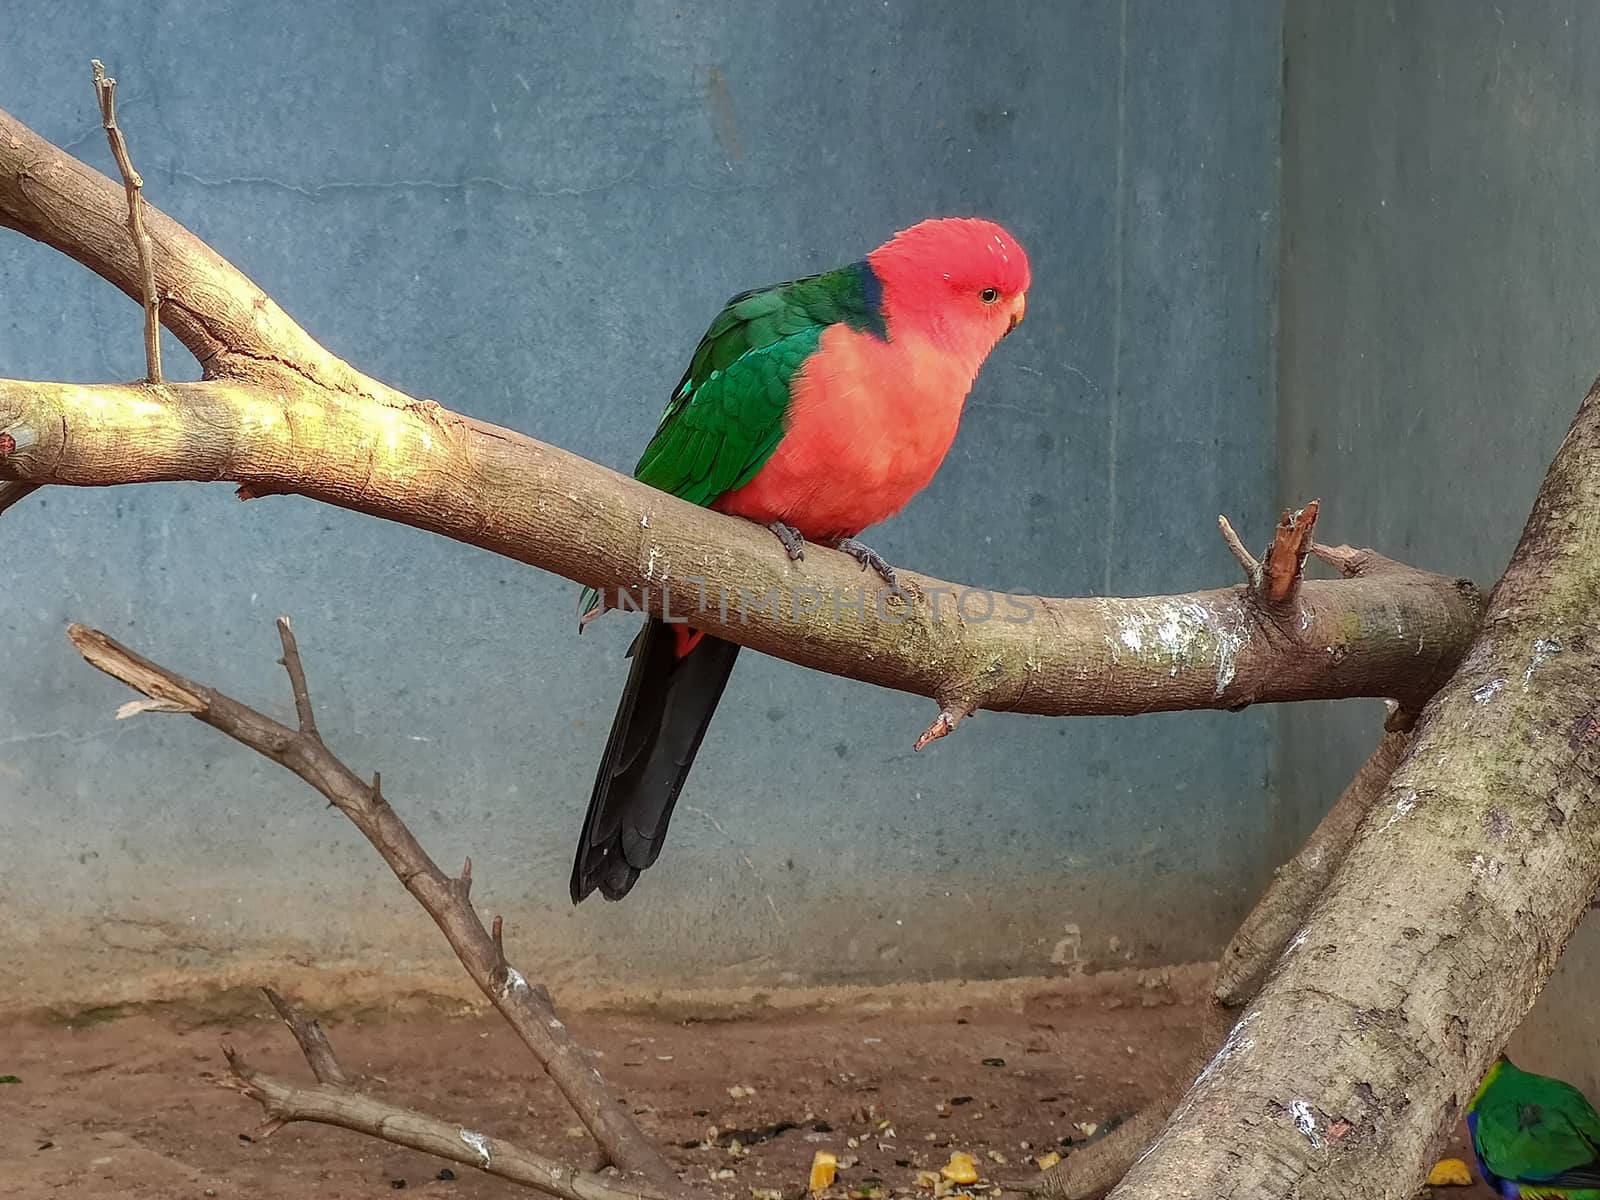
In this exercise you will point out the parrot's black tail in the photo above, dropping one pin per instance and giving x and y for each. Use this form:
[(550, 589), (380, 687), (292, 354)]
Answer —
[(663, 715)]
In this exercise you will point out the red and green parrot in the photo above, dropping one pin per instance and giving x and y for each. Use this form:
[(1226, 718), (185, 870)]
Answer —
[(1534, 1136), (817, 407)]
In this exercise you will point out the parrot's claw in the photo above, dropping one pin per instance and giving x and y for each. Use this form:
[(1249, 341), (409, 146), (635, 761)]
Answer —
[(868, 557), (793, 543)]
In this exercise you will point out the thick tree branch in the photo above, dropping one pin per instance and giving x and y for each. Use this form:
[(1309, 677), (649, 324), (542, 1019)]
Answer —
[(331, 1103), (278, 414), (1296, 885), (1091, 1172), (1449, 911), (965, 647), (526, 1009)]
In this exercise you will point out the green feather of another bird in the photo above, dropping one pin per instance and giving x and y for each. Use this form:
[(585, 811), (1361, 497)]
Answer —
[(1537, 1130)]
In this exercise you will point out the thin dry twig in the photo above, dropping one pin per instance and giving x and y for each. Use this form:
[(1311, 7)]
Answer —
[(313, 1042), (525, 1008), (335, 1102), (106, 90), (1246, 560), (290, 662)]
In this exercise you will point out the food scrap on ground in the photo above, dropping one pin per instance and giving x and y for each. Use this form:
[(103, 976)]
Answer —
[(1450, 1172)]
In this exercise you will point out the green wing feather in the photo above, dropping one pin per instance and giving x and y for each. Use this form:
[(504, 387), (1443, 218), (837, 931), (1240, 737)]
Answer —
[(727, 414), (1540, 1130)]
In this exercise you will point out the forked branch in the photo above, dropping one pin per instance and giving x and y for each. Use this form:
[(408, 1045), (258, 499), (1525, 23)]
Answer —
[(527, 1009)]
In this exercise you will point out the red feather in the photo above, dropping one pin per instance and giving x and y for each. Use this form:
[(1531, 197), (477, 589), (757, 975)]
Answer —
[(685, 639)]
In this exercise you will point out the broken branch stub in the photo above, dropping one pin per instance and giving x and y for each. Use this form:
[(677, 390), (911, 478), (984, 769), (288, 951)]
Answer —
[(312, 1040), (1286, 557)]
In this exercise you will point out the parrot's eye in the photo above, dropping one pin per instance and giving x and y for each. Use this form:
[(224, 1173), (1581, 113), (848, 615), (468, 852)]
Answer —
[(989, 295)]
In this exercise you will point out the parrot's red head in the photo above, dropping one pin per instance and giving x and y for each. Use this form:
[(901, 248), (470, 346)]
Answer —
[(960, 281)]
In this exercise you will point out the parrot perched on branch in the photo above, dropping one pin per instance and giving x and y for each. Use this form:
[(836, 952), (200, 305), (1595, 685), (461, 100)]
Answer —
[(1534, 1136), (817, 408)]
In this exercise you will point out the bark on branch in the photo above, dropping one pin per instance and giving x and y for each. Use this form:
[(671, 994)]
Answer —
[(1449, 911), (277, 413), (526, 1008), (1296, 885)]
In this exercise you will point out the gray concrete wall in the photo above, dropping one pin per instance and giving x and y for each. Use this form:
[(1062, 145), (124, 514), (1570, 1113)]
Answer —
[(530, 212), (1440, 323)]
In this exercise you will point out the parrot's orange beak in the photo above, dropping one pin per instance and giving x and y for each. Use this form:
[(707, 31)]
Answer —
[(1018, 311)]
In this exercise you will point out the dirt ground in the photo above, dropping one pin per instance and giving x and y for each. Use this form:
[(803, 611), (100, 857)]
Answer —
[(132, 1107)]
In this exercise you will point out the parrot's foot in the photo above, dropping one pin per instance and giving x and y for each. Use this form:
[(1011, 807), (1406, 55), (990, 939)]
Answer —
[(791, 539), (868, 557)]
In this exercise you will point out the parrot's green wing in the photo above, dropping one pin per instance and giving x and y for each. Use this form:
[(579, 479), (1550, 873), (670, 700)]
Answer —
[(727, 414), (1540, 1130)]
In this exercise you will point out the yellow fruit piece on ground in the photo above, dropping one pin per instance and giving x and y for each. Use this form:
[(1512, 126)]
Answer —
[(823, 1167), (1450, 1172), (961, 1168)]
